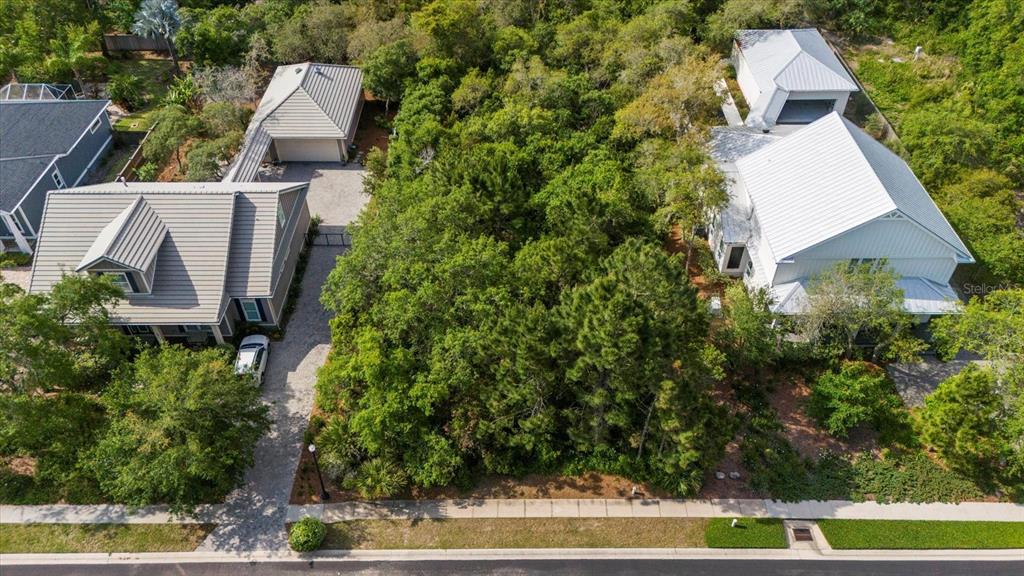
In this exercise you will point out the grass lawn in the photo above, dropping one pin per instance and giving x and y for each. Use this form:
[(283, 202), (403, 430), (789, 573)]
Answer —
[(748, 533), (517, 533), (66, 538), (156, 78), (921, 534)]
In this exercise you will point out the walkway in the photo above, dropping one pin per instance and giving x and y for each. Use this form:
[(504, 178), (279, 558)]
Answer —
[(554, 508), (640, 508), (729, 109), (253, 516)]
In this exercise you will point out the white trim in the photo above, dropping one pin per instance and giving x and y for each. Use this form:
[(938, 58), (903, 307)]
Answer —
[(82, 135), (94, 126), (24, 217), (94, 159), (58, 179), (255, 308)]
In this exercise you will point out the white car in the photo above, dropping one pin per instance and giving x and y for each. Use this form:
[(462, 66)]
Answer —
[(252, 356)]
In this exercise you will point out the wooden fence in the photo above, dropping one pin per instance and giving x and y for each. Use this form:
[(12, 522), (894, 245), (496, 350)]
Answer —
[(133, 43), (127, 174)]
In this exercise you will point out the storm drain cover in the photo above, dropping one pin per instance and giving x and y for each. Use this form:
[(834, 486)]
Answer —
[(802, 535)]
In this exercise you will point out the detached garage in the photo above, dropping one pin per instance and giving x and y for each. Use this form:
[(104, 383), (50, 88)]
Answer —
[(309, 113)]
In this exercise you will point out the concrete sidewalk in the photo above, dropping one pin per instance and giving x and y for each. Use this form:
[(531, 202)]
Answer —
[(553, 508)]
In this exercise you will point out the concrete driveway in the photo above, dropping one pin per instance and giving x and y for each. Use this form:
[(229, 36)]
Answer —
[(335, 191), (262, 501)]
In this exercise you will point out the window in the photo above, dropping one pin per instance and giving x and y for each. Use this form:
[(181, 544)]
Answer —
[(872, 263), (194, 328), (749, 272), (94, 126), (281, 218), (735, 258), (121, 280), (251, 310), (57, 179), (136, 329)]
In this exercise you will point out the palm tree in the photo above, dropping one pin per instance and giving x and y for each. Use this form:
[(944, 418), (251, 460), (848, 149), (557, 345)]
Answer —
[(159, 19)]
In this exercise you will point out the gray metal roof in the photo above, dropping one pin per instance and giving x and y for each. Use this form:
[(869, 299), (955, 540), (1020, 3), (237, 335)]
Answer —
[(131, 239), (17, 175), (302, 101), (203, 247), (32, 134)]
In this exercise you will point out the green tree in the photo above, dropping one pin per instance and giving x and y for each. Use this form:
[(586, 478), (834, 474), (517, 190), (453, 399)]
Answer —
[(173, 125), (316, 32), (215, 37), (964, 420), (386, 70), (751, 334), (455, 30), (207, 160), (846, 301), (859, 393), (127, 91), (61, 339), (674, 103), (183, 429), (637, 365), (70, 51), (159, 19)]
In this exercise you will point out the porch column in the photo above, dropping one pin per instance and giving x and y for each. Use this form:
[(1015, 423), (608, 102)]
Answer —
[(159, 333), (18, 237), (216, 334)]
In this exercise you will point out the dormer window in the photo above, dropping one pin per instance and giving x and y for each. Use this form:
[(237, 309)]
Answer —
[(57, 179), (122, 282)]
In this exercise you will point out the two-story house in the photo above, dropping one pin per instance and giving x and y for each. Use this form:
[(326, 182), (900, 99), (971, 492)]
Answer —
[(194, 259), (45, 144), (825, 193)]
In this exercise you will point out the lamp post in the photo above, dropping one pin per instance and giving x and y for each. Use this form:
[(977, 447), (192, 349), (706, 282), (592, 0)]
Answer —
[(323, 491)]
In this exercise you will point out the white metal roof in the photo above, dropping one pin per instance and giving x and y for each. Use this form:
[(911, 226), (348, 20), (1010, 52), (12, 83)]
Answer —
[(216, 233), (795, 60), (828, 178), (920, 296), (306, 100)]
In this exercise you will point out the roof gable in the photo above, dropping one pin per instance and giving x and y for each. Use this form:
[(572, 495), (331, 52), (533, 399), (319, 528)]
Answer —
[(794, 60), (131, 239)]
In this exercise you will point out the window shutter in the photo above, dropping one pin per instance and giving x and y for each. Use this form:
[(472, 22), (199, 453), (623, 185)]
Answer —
[(259, 306)]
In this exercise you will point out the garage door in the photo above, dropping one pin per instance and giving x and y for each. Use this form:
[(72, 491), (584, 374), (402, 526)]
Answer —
[(804, 111), (307, 150)]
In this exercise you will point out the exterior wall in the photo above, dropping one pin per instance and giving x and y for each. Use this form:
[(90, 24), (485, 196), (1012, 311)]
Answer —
[(83, 156), (749, 87), (286, 271), (910, 251)]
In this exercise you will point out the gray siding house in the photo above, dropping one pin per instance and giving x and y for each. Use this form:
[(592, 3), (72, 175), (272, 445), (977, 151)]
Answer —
[(45, 144), (309, 113), (195, 260)]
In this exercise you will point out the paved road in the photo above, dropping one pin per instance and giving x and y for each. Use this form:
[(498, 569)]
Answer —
[(288, 387), (556, 567)]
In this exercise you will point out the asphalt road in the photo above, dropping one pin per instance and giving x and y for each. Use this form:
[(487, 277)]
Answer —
[(535, 567)]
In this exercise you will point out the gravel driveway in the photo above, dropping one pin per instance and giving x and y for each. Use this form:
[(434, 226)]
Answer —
[(288, 388)]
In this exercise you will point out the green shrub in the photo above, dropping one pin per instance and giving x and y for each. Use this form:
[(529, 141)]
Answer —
[(147, 172), (127, 91), (859, 393), (914, 478), (380, 478), (307, 534), (14, 259)]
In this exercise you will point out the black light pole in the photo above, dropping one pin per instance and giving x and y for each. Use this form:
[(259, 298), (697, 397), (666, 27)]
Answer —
[(323, 491)]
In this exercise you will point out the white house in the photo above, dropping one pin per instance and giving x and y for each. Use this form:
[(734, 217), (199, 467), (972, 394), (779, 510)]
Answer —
[(309, 113), (789, 77), (826, 193)]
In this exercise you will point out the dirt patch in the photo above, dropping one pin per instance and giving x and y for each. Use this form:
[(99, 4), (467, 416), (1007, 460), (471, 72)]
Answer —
[(20, 465), (790, 403), (726, 487), (676, 244), (370, 132)]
